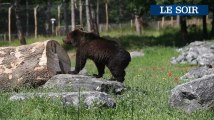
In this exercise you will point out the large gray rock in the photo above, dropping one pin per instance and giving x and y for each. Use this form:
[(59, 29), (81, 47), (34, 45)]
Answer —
[(198, 52), (194, 95), (89, 99), (68, 82), (198, 72)]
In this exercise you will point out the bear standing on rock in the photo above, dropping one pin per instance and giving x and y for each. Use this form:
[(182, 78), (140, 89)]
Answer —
[(102, 51)]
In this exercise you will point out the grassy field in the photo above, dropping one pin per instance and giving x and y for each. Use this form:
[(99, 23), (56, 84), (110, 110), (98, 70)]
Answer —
[(149, 80)]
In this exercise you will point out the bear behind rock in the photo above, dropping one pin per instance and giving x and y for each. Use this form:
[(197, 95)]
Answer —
[(102, 51)]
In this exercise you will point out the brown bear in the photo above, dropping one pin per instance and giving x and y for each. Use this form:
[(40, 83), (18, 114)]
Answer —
[(102, 51)]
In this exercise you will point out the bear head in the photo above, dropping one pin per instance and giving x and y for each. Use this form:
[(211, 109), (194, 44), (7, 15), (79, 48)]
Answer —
[(73, 38)]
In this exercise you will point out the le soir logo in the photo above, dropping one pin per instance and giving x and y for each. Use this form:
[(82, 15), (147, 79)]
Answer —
[(172, 10)]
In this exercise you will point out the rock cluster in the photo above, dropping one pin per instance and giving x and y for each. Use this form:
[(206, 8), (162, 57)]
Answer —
[(198, 52), (72, 89), (198, 93)]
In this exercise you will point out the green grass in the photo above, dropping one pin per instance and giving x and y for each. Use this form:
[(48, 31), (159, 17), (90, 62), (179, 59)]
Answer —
[(149, 80)]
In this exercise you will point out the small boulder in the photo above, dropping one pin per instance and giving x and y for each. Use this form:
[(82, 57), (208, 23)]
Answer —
[(136, 54), (194, 95), (68, 82)]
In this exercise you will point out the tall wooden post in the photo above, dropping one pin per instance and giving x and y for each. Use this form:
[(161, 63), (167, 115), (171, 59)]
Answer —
[(35, 20), (97, 14), (65, 16), (19, 27), (27, 18), (9, 22), (88, 18), (177, 20), (72, 15), (171, 20), (106, 9), (59, 22), (137, 24), (80, 10), (162, 22)]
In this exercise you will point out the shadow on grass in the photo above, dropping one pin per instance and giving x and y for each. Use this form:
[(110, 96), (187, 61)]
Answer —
[(172, 39)]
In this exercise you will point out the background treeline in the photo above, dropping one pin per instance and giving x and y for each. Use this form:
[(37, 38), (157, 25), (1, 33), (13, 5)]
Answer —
[(94, 16)]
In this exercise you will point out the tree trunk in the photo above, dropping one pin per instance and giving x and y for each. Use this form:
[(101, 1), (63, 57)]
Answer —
[(97, 14), (131, 23), (137, 24), (93, 22), (59, 19), (172, 21), (162, 22), (88, 18), (27, 19), (65, 16), (205, 34), (31, 65), (178, 20), (183, 27), (120, 14), (9, 23), (106, 9), (72, 15), (80, 10), (212, 29), (35, 21), (18, 24), (47, 19)]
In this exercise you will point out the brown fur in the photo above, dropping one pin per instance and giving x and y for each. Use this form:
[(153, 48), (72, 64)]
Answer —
[(102, 51)]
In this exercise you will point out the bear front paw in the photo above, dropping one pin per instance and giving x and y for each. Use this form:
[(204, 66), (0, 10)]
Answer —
[(97, 76), (73, 72)]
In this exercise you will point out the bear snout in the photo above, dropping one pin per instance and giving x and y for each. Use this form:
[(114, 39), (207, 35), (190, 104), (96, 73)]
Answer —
[(65, 41)]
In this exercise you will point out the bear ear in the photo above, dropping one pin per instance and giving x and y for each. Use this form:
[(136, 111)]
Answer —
[(81, 28)]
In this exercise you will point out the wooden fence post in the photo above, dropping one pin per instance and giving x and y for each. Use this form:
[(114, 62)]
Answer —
[(9, 23), (172, 21), (35, 20), (59, 22), (80, 10), (163, 22)]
